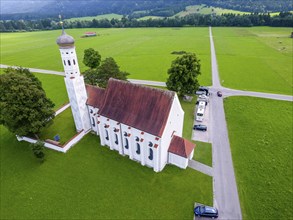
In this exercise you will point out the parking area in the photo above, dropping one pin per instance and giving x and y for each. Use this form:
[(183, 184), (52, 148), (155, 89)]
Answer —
[(203, 136)]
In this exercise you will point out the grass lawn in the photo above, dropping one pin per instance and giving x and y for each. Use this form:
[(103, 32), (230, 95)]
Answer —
[(260, 133), (55, 88), (63, 125), (93, 182), (143, 52), (188, 108), (256, 59), (203, 153)]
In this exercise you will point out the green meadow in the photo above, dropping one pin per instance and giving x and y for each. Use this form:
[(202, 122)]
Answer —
[(203, 9), (256, 59), (260, 133), (143, 52), (98, 17)]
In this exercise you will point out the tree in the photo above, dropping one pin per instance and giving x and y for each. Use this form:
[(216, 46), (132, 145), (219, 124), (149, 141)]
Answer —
[(25, 108), (91, 77), (183, 74), (91, 58), (37, 149), (109, 69)]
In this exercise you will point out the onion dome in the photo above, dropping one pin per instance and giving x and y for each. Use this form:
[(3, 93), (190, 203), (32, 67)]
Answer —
[(65, 40)]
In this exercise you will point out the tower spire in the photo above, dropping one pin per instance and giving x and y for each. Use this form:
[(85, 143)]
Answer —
[(61, 23)]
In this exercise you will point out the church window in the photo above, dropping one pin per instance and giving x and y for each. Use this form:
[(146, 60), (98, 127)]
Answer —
[(66, 52), (107, 135), (116, 139), (137, 148), (150, 144), (137, 138), (91, 111), (93, 123), (69, 63), (125, 134), (151, 154), (73, 61), (64, 62), (71, 51), (126, 143)]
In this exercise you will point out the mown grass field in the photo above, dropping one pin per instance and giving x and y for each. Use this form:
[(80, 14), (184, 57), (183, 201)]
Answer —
[(98, 17), (203, 9), (93, 182), (260, 133), (143, 52), (256, 59), (203, 153)]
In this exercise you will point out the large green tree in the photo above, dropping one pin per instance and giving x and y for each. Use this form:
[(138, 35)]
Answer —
[(109, 69), (91, 58), (25, 108), (183, 74)]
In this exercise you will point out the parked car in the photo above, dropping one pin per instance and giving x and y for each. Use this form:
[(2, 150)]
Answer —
[(219, 93), (206, 211), (200, 93), (200, 127), (205, 89)]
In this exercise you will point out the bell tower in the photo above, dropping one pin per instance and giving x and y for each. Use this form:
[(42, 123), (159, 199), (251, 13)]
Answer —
[(74, 82)]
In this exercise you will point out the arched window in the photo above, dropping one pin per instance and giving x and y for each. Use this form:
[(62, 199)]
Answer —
[(93, 123), (151, 154), (73, 61), (64, 62), (126, 143), (137, 148), (107, 134), (150, 144), (116, 139), (137, 138), (69, 63)]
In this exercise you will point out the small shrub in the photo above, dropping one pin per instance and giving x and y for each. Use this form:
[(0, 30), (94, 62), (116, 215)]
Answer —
[(37, 149)]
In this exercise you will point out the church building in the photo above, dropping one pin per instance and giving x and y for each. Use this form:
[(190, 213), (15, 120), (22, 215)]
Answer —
[(140, 122)]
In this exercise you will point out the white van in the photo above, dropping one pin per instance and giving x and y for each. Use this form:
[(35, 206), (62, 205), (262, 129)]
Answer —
[(200, 113)]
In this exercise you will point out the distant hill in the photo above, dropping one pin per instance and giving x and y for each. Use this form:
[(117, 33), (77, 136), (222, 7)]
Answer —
[(35, 9)]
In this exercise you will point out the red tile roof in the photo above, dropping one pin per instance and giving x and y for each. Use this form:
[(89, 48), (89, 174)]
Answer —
[(181, 146), (95, 96), (141, 107)]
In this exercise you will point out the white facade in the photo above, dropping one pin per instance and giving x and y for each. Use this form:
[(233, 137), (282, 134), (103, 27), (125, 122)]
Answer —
[(75, 88), (179, 161)]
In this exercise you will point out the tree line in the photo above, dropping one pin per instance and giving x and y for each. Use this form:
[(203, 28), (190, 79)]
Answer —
[(284, 19)]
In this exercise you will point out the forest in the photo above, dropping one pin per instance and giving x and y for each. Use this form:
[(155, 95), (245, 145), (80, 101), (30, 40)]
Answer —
[(284, 19)]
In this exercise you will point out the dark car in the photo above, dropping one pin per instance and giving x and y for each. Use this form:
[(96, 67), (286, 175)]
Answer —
[(200, 127), (204, 89), (219, 93), (206, 211)]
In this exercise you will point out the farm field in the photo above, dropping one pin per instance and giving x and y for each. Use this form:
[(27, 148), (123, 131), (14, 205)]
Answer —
[(255, 59), (260, 133), (143, 52)]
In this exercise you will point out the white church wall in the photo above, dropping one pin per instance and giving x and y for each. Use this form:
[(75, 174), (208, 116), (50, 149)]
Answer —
[(178, 160), (134, 137), (174, 126), (93, 113)]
